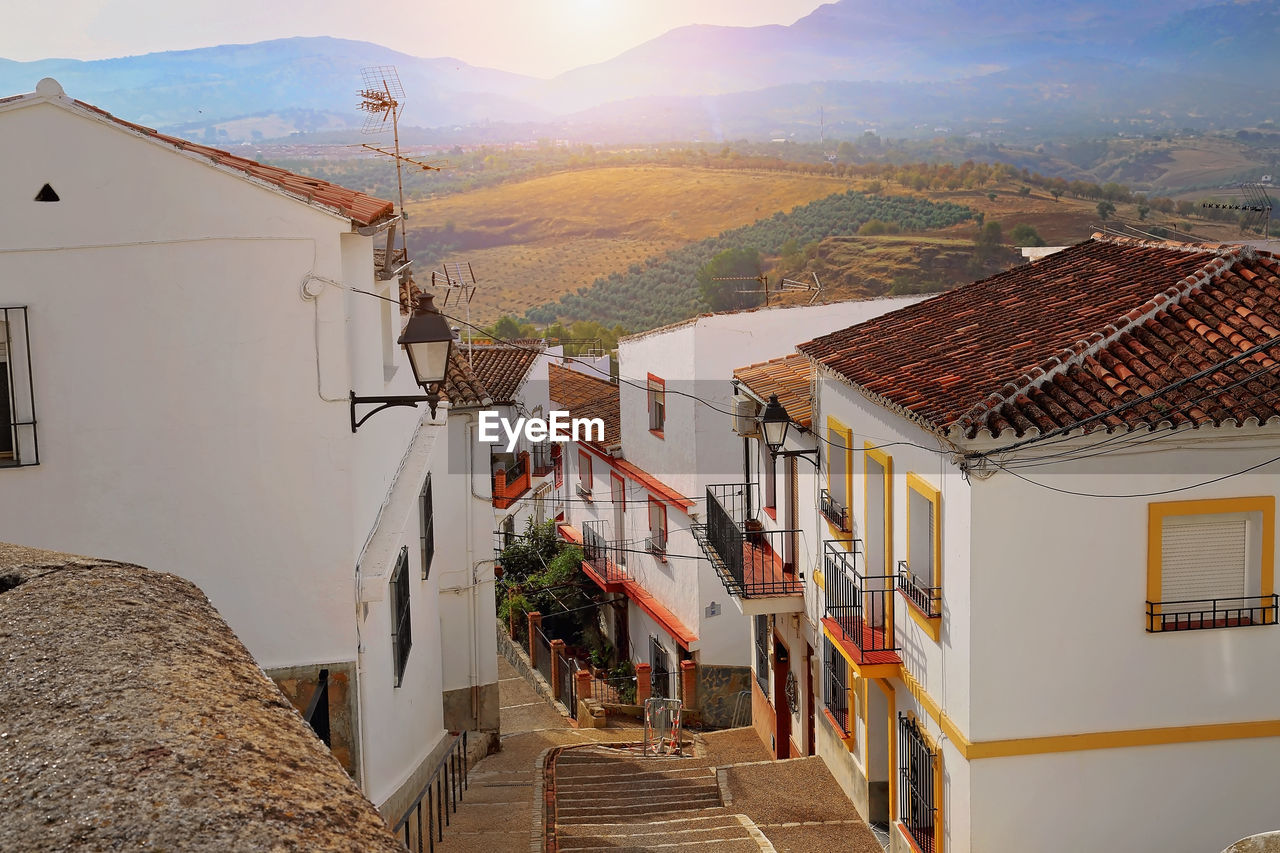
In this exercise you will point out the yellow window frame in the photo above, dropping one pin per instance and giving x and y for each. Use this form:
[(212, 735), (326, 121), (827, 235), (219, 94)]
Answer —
[(1158, 512), (836, 425), (869, 451), (931, 625)]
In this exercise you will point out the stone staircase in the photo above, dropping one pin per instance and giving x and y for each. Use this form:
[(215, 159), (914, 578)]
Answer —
[(610, 798)]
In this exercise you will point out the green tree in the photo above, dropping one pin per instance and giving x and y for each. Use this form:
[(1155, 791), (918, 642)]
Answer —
[(1023, 234), (725, 295), (1105, 209)]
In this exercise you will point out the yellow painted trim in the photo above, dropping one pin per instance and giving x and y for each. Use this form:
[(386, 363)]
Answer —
[(1120, 739), (820, 579), (915, 483), (1158, 512), (891, 697), (886, 463), (844, 537)]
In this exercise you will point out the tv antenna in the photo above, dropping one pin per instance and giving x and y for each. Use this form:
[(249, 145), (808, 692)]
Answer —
[(459, 281), (382, 98), (1256, 205), (764, 283), (792, 284)]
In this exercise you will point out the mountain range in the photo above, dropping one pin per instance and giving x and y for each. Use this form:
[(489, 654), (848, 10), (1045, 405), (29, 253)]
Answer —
[(980, 66)]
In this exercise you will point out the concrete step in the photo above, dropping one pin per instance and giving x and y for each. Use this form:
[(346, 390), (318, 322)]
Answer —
[(629, 815)]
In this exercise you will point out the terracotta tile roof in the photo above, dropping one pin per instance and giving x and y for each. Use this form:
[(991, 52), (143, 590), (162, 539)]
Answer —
[(360, 208), (134, 718), (461, 386), (584, 396), (790, 377), (1099, 325), (502, 369)]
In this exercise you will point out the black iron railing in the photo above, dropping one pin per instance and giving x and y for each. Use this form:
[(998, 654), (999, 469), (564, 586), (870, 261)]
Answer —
[(660, 681), (915, 780), (749, 559), (567, 695), (834, 511), (19, 444), (607, 559), (438, 799), (542, 654), (317, 713), (1196, 614), (540, 457), (927, 598), (861, 606), (837, 687)]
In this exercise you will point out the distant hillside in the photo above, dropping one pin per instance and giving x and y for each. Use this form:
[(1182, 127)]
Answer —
[(916, 67), (203, 88), (663, 289)]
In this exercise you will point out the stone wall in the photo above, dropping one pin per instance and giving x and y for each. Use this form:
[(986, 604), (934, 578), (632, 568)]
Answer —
[(718, 690), (459, 715)]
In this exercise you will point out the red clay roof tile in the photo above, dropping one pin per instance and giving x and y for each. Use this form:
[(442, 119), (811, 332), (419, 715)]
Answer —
[(1104, 323)]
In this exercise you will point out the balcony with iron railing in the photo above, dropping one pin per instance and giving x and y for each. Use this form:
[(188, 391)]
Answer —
[(926, 599), (511, 480), (541, 460), (603, 559), (859, 612), (834, 512), (1201, 613), (750, 560)]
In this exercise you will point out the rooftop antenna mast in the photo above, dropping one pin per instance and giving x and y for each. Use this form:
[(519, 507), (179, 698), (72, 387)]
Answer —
[(382, 98), (1256, 205), (792, 284), (459, 281), (764, 283)]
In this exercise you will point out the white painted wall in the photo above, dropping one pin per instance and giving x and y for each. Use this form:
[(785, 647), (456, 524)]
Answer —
[(192, 406), (1067, 576), (1188, 797)]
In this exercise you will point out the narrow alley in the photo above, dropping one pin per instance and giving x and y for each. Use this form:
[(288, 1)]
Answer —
[(601, 793)]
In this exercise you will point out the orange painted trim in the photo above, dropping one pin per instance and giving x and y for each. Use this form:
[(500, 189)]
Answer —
[(651, 483)]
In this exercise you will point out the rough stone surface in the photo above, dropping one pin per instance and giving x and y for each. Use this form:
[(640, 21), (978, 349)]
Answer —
[(132, 717), (718, 690)]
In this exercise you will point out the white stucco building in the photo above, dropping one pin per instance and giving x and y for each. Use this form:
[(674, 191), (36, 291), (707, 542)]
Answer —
[(181, 339), (1043, 606)]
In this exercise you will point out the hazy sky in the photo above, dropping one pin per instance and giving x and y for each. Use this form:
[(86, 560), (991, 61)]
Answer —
[(538, 37)]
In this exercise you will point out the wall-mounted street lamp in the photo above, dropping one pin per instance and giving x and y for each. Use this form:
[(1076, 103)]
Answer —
[(774, 423), (428, 341)]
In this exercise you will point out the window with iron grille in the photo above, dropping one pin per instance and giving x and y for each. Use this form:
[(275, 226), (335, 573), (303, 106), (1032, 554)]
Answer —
[(916, 778), (836, 684), (401, 633), (762, 653), (428, 529), (660, 670), (18, 444)]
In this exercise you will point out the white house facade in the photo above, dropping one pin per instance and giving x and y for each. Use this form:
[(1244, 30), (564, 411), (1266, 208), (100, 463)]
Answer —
[(1043, 614), (182, 339)]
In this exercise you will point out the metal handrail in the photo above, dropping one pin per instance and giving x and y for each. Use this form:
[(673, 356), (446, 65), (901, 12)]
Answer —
[(750, 557), (834, 511), (449, 780), (1177, 616), (607, 558), (862, 606), (927, 598)]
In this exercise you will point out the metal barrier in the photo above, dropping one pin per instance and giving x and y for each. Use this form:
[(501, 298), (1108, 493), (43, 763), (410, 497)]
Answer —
[(440, 796)]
